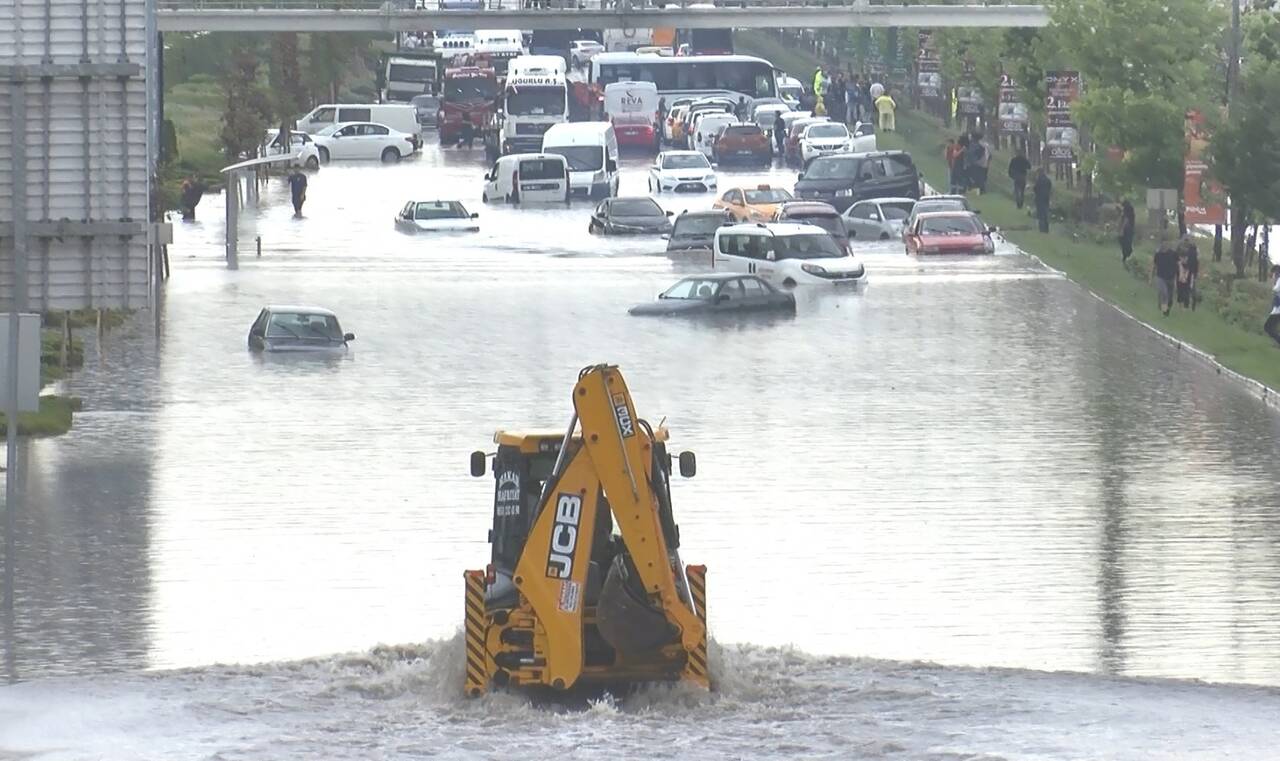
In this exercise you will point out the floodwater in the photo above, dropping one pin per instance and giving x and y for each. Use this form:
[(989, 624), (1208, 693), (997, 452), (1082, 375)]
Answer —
[(919, 501)]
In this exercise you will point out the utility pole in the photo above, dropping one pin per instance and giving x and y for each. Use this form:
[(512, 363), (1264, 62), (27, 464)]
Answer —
[(1233, 51)]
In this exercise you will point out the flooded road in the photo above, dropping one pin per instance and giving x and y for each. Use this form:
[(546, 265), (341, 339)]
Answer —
[(968, 462)]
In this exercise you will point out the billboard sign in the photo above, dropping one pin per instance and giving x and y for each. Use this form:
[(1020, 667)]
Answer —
[(1011, 113), (1201, 196), (1062, 136), (928, 66)]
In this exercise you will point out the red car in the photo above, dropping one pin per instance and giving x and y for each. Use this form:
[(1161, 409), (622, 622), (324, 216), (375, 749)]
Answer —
[(949, 232), (743, 144)]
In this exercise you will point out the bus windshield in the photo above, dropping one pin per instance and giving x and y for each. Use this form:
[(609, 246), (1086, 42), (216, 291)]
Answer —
[(754, 79)]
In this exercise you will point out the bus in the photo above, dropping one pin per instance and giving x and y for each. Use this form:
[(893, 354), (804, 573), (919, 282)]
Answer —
[(731, 75)]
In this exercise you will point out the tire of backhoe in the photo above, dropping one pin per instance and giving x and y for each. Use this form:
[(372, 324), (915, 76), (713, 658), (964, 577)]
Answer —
[(623, 616)]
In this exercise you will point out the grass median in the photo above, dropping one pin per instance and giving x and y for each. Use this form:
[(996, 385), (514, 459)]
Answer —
[(1228, 322)]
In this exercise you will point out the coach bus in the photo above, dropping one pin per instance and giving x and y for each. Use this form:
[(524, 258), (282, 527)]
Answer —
[(731, 75)]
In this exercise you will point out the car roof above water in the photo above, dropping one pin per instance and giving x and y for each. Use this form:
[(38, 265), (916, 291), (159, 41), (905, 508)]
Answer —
[(773, 228), (293, 309)]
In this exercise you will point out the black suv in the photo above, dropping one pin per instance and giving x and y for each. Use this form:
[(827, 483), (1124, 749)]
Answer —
[(846, 178)]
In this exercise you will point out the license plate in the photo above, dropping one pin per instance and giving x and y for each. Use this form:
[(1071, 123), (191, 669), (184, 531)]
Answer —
[(538, 186), (745, 153)]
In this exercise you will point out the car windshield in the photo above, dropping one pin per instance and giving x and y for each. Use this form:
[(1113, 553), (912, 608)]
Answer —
[(439, 210), (949, 225), (301, 325), (829, 222), (534, 101), (699, 224), (832, 169), (692, 288), (686, 161), (768, 195), (581, 158), (922, 207), (805, 247), (635, 207), (897, 209), (828, 130)]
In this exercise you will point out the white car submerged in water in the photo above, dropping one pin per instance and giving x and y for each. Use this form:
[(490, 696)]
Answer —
[(436, 216), (682, 172)]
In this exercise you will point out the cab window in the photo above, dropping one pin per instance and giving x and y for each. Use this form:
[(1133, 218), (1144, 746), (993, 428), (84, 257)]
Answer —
[(324, 115)]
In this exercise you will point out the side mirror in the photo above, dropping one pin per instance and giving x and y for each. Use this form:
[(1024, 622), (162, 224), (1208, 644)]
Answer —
[(487, 178), (688, 464), (611, 166), (478, 463), (475, 215), (800, 176), (669, 213), (666, 236), (992, 229)]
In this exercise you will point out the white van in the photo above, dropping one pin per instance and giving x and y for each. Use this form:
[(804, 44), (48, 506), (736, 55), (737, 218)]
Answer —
[(528, 178), (591, 149), (401, 117), (786, 254)]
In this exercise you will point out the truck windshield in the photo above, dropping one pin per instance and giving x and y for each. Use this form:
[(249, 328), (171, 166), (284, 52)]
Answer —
[(581, 158), (805, 247), (408, 72), (536, 101), (470, 90)]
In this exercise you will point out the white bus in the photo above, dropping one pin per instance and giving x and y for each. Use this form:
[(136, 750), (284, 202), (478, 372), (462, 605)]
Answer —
[(500, 46), (731, 75), (536, 97)]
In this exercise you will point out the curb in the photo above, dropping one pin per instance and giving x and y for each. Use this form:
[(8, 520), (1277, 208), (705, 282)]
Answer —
[(1269, 397)]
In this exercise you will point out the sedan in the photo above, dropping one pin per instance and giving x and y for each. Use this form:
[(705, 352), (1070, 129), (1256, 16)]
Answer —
[(696, 230), (364, 140), (582, 51), (949, 232), (436, 216), (718, 294), (878, 218), (629, 216), (681, 172), (753, 205), (302, 149), (297, 329)]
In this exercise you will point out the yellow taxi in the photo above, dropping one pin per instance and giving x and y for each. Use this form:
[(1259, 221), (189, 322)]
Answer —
[(756, 204)]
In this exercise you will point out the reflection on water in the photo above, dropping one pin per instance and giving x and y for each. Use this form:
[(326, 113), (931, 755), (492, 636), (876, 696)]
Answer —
[(965, 461)]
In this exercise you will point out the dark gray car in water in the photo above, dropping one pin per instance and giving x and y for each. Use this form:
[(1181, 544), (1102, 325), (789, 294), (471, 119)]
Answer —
[(696, 230), (629, 216), (718, 294)]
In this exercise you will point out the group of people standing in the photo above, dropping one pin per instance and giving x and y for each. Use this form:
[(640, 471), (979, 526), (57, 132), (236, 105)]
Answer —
[(850, 98), (969, 163)]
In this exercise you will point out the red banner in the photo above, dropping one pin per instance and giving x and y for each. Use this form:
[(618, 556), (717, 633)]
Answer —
[(1201, 196)]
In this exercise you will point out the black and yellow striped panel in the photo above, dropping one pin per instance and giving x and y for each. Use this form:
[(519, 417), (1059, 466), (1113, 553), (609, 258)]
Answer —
[(697, 663), (474, 634)]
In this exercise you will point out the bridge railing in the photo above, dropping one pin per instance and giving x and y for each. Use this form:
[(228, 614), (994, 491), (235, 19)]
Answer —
[(470, 6)]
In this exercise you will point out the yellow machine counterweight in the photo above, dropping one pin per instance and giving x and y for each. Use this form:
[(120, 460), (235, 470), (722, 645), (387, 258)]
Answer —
[(585, 585)]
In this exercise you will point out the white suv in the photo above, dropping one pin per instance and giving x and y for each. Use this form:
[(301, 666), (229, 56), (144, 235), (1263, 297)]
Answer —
[(582, 51), (786, 254)]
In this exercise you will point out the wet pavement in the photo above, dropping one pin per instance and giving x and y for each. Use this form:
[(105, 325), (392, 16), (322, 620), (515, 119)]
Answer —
[(970, 462)]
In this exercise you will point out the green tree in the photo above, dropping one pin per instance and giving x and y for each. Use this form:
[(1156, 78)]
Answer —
[(248, 109), (288, 90), (1143, 62), (1245, 152)]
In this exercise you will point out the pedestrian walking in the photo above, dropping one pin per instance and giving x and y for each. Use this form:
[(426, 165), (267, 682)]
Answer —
[(192, 191), (886, 107), (1019, 168), (852, 99), (1128, 227), (1041, 192), (779, 132), (974, 155), (1188, 273), (1272, 325), (298, 190), (953, 153), (1164, 269)]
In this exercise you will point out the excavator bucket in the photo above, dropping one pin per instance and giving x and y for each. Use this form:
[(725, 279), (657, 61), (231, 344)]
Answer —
[(585, 585)]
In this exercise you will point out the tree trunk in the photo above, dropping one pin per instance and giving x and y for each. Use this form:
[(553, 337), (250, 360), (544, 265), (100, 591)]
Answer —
[(1237, 238)]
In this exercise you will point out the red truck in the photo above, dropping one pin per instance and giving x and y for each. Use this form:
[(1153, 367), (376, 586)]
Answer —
[(468, 95)]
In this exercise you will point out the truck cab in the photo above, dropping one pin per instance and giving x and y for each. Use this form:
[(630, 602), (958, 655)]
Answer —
[(468, 95), (535, 98)]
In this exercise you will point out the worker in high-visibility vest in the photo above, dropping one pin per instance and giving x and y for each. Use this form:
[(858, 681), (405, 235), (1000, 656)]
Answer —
[(819, 83)]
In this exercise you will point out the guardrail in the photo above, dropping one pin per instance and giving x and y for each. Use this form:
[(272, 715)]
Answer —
[(446, 6)]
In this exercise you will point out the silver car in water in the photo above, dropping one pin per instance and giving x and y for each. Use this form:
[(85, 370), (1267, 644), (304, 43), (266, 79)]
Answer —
[(295, 329), (877, 218)]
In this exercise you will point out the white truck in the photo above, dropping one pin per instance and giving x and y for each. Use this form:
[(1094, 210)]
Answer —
[(535, 98), (406, 77)]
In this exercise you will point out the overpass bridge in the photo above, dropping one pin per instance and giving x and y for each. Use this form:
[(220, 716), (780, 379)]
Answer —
[(414, 15)]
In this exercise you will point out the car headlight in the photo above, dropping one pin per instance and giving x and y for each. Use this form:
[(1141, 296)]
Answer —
[(846, 193), (848, 146), (813, 269), (709, 179)]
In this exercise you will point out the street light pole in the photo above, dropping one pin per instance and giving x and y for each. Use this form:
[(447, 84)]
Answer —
[(1233, 52)]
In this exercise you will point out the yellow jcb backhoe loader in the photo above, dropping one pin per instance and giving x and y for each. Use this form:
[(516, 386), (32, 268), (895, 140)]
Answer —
[(585, 586)]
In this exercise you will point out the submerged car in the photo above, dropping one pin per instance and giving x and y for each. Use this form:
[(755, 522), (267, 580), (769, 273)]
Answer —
[(629, 216), (786, 254), (297, 329), (696, 230), (818, 214), (436, 216), (719, 293), (753, 204), (949, 232), (428, 108), (681, 172), (878, 218), (934, 203)]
